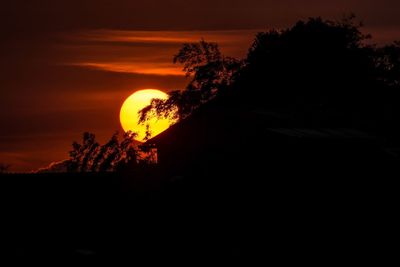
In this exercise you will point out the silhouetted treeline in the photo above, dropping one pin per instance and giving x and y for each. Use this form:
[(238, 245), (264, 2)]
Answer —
[(322, 73), (90, 156), (318, 73)]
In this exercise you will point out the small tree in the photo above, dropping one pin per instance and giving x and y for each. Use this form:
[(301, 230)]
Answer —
[(128, 153), (112, 150), (90, 156), (81, 154), (90, 146)]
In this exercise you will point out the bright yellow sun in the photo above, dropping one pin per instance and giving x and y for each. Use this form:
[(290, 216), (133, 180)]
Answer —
[(129, 114)]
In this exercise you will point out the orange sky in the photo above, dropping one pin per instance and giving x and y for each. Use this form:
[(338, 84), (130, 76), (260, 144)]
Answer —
[(78, 81), (67, 66)]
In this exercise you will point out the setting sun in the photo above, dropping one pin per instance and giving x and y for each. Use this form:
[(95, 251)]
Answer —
[(129, 115)]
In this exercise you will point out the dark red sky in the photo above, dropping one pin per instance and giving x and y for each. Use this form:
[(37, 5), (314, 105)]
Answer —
[(67, 66)]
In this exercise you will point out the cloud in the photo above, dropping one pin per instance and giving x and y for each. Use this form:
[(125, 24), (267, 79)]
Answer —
[(153, 37), (54, 167), (144, 52), (144, 68)]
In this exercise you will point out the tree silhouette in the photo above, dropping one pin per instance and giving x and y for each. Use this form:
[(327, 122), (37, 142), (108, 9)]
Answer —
[(210, 74), (128, 153), (388, 64), (82, 153), (89, 147), (75, 156), (148, 133), (319, 72), (111, 151), (93, 157)]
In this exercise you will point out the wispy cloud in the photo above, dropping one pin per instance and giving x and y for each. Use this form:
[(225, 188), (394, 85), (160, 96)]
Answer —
[(145, 52), (178, 37), (142, 68)]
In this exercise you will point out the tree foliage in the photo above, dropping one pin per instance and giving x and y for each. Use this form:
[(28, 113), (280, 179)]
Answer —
[(210, 74), (388, 64), (90, 156), (321, 73)]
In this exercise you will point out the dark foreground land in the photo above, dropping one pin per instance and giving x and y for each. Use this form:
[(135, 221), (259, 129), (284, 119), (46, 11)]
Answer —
[(314, 202)]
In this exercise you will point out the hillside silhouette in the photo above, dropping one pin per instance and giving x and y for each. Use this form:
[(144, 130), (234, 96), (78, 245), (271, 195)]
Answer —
[(287, 156)]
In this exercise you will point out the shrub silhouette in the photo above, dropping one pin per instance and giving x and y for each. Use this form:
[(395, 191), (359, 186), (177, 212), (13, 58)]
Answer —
[(90, 156)]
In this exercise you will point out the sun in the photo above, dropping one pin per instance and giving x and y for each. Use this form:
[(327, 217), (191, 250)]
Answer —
[(129, 114)]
